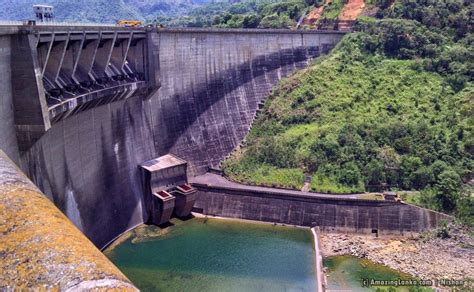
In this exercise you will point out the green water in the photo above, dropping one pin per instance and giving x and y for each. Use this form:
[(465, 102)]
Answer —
[(219, 255), (345, 273)]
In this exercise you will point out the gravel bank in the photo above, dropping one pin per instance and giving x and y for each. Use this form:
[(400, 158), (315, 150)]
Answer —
[(424, 257)]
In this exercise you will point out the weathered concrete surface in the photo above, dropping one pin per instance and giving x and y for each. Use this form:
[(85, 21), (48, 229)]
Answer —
[(8, 141), (40, 249), (338, 214), (30, 108), (88, 166), (211, 85)]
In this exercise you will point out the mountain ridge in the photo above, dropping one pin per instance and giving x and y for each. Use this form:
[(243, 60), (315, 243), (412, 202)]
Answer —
[(106, 11)]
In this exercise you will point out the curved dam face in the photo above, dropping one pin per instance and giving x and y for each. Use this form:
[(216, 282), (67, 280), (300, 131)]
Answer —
[(210, 84), (88, 165)]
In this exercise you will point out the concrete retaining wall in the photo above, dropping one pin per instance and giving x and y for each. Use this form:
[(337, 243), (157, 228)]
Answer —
[(349, 215)]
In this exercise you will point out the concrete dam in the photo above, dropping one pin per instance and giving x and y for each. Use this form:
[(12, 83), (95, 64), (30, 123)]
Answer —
[(83, 107)]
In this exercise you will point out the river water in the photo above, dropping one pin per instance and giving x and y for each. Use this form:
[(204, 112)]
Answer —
[(217, 255), (346, 273)]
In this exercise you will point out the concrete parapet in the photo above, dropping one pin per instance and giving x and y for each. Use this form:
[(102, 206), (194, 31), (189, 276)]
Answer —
[(244, 31), (320, 277), (41, 249)]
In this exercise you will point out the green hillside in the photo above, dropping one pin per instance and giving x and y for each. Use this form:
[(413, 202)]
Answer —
[(79, 10), (100, 10), (176, 13), (391, 107)]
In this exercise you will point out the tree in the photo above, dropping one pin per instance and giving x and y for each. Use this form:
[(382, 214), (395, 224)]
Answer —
[(389, 157), (276, 21), (465, 208), (409, 166), (349, 174), (447, 190), (251, 21), (422, 177), (375, 173), (437, 168), (217, 20)]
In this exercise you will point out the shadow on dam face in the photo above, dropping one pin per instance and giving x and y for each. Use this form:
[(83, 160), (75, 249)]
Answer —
[(186, 107), (205, 95)]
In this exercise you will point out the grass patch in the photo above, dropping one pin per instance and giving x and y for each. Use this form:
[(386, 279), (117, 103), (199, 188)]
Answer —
[(323, 184), (372, 196), (331, 11), (265, 175)]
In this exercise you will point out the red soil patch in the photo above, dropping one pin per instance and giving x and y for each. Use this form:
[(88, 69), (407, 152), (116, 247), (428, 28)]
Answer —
[(314, 14), (352, 10)]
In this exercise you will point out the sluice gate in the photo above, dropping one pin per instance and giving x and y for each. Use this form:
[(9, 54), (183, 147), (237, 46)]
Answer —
[(62, 71)]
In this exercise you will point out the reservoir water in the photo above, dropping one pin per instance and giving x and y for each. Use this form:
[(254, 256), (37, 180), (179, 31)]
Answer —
[(217, 255)]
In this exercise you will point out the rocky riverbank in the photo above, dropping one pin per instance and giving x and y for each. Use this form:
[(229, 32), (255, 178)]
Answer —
[(426, 256)]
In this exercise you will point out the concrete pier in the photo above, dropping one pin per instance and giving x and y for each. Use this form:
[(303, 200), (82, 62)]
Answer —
[(163, 206), (166, 178), (185, 199)]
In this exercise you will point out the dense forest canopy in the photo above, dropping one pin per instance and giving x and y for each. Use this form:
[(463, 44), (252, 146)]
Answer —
[(243, 14), (108, 11), (391, 108), (183, 13), (179, 13)]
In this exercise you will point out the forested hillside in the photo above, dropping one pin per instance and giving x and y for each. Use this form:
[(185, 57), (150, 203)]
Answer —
[(304, 14), (391, 108), (100, 10), (182, 13), (243, 14), (79, 10)]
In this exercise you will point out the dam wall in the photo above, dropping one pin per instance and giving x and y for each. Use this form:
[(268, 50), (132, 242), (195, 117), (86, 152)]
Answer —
[(329, 214), (8, 141), (211, 83), (88, 166)]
